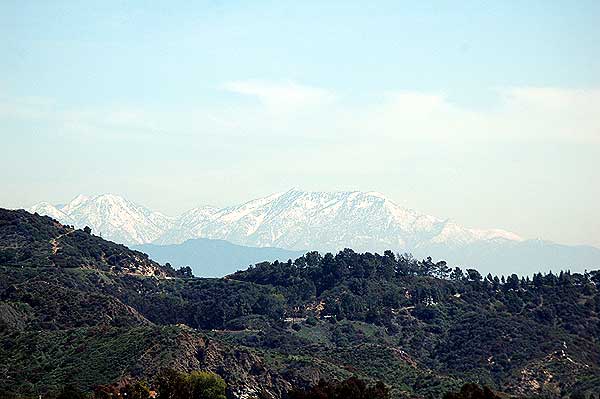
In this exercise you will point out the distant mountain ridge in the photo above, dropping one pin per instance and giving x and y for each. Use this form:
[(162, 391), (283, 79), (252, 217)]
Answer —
[(112, 216), (324, 221), (214, 258)]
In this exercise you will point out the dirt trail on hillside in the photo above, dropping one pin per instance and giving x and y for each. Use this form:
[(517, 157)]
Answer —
[(54, 242)]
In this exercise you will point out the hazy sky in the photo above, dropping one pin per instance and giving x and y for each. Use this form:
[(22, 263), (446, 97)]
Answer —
[(484, 112)]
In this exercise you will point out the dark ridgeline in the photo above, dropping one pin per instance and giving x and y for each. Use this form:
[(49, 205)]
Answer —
[(78, 311)]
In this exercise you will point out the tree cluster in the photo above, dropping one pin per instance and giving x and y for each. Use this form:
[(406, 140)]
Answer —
[(352, 388)]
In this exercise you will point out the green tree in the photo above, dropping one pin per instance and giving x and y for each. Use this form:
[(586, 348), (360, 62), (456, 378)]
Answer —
[(138, 390), (205, 385), (474, 275), (71, 392), (472, 391), (457, 274), (195, 385)]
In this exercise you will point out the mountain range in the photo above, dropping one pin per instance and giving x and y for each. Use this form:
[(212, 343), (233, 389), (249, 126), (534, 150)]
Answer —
[(214, 258), (111, 216), (324, 221)]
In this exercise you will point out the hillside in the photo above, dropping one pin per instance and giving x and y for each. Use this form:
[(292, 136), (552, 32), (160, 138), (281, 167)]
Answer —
[(533, 336), (39, 241), (214, 258), (421, 327)]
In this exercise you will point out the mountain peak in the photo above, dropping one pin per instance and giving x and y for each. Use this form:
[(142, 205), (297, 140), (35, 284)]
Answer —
[(74, 203), (111, 215), (47, 209), (109, 197), (293, 219), (79, 199), (376, 194)]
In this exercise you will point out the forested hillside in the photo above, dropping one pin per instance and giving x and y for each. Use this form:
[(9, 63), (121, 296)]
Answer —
[(526, 335), (39, 241), (78, 310)]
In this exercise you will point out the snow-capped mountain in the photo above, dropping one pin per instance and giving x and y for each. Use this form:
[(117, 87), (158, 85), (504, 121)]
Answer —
[(46, 208), (331, 221), (111, 216), (298, 220), (323, 221), (182, 229)]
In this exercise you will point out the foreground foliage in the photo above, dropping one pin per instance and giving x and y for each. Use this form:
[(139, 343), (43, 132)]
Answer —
[(195, 385), (352, 388), (109, 315)]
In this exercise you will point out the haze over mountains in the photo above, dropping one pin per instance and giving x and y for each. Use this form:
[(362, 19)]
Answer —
[(365, 221), (323, 221), (214, 258)]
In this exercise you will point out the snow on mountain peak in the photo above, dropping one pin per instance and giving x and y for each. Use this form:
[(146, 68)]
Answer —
[(47, 209), (294, 219), (492, 234), (375, 194), (74, 203), (111, 216)]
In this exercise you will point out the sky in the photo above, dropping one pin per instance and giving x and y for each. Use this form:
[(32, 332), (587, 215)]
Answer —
[(484, 112)]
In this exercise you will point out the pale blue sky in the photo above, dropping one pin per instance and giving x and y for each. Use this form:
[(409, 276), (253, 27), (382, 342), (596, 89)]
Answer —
[(484, 112)]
